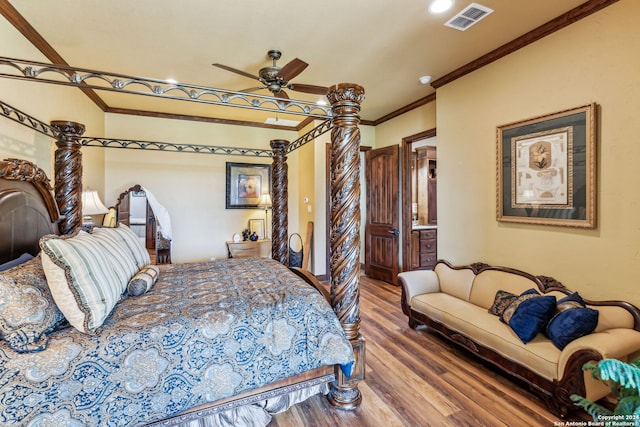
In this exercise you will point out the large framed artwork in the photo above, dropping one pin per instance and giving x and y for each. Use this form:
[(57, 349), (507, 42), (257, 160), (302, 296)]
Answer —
[(246, 182), (546, 169)]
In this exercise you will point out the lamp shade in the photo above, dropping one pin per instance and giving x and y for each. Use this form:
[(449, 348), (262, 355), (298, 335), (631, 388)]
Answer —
[(265, 201), (91, 203)]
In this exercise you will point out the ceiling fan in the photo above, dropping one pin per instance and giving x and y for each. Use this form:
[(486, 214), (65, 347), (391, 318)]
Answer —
[(276, 79)]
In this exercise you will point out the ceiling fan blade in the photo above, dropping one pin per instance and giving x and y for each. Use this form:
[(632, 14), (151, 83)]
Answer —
[(252, 89), (292, 69), (234, 70), (282, 94), (317, 90)]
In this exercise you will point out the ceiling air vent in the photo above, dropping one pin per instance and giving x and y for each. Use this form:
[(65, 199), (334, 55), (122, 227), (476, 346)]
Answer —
[(468, 16)]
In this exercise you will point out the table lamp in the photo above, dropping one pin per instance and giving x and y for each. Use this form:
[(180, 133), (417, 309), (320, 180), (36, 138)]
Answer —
[(91, 205), (265, 202)]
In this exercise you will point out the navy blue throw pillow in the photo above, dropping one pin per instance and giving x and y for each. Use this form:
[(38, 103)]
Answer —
[(571, 321), (529, 313), (16, 262)]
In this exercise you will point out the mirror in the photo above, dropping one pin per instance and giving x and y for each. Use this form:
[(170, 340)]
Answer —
[(423, 183), (133, 210)]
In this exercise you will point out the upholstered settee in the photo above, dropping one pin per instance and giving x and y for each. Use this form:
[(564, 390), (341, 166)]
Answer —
[(541, 337)]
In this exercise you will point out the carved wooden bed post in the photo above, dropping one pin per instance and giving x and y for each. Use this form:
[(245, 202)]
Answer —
[(345, 101), (280, 206), (68, 174)]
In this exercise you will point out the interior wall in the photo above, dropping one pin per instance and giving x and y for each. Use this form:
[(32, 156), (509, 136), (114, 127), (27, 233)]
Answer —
[(191, 186), (46, 103), (306, 201), (412, 122), (593, 60), (392, 131)]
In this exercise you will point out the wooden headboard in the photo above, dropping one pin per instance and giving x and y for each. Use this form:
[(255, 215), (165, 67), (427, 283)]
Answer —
[(28, 209)]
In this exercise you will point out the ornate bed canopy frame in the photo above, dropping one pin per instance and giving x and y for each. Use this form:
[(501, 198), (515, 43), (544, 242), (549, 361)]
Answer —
[(342, 118)]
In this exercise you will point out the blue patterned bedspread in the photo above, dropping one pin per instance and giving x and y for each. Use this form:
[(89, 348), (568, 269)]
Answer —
[(204, 332)]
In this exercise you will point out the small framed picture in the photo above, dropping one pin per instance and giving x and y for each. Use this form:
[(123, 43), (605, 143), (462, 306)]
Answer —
[(257, 226), (245, 183)]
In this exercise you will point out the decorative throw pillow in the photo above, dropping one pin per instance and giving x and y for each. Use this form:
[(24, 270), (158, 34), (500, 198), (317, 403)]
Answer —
[(501, 302), (15, 262), (143, 281), (27, 309), (81, 278), (571, 321), (125, 263), (529, 313), (130, 242)]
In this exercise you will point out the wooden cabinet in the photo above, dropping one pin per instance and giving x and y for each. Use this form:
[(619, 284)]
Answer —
[(424, 245), (248, 248)]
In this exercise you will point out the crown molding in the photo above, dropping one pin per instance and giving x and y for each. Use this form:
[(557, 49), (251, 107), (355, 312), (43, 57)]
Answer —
[(564, 20)]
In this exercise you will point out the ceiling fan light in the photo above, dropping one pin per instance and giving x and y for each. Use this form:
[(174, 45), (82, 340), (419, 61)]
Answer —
[(440, 6)]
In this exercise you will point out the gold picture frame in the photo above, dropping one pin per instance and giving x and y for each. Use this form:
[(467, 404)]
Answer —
[(546, 169)]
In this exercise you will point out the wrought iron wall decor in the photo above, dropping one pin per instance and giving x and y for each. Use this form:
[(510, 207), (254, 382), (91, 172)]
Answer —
[(31, 122)]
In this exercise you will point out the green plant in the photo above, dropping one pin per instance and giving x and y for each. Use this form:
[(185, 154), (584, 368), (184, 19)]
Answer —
[(624, 380)]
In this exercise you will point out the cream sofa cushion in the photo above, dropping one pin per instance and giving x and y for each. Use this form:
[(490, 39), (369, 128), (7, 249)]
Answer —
[(455, 282), (612, 317), (539, 355), (488, 282)]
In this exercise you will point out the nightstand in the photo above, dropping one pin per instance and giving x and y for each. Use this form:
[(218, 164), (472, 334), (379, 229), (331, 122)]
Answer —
[(248, 248)]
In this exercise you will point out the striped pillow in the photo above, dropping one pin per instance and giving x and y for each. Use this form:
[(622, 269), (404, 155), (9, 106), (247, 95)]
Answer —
[(130, 242), (124, 262), (82, 279)]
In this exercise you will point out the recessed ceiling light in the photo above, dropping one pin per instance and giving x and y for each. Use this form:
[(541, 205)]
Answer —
[(440, 6), (425, 79), (171, 81)]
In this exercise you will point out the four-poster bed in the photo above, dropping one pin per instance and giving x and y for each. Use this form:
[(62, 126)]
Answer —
[(343, 120)]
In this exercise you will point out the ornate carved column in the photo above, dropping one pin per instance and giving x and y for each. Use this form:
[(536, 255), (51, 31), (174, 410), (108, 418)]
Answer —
[(345, 101), (279, 203), (68, 174)]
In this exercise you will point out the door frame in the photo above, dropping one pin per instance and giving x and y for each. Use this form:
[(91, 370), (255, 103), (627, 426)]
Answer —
[(407, 141)]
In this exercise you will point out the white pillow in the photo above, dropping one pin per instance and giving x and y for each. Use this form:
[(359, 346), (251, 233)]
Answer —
[(82, 279)]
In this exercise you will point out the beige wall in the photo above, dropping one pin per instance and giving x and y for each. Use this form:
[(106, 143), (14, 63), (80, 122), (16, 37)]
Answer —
[(594, 60), (45, 103), (191, 186), (417, 120)]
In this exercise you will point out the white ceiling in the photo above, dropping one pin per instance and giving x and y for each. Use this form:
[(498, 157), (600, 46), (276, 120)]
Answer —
[(383, 45)]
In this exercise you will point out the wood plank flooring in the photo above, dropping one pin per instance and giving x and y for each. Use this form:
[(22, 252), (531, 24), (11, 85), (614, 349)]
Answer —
[(415, 378)]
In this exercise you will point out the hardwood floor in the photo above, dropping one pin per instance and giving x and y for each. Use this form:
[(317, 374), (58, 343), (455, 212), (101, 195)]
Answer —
[(415, 378)]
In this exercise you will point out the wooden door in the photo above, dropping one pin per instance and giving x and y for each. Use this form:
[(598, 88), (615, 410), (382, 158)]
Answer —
[(381, 227)]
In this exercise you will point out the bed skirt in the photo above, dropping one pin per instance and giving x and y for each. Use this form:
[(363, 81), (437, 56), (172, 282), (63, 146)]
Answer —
[(252, 411)]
